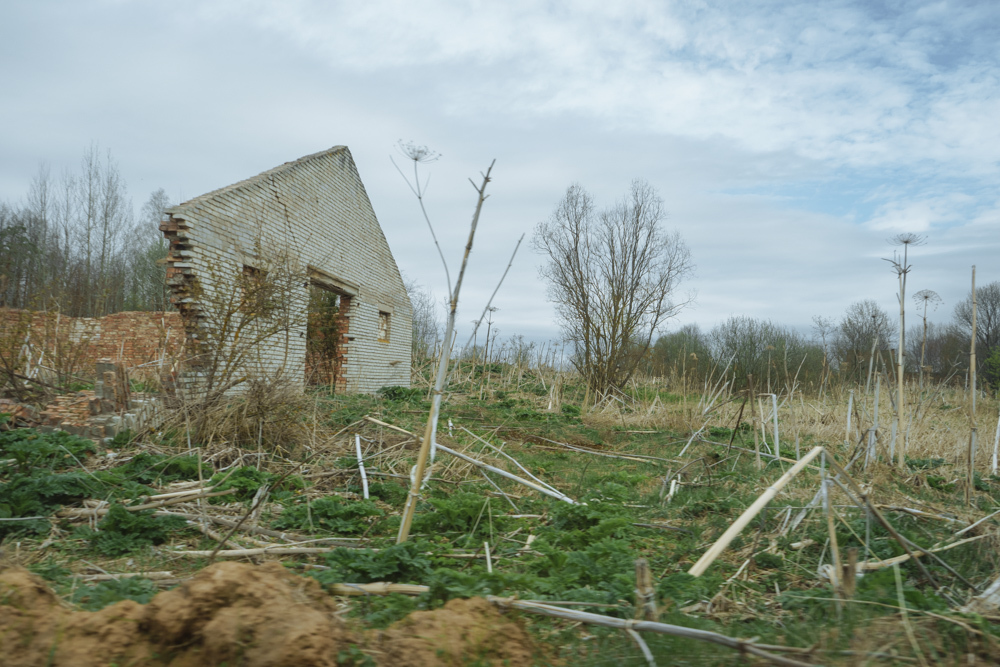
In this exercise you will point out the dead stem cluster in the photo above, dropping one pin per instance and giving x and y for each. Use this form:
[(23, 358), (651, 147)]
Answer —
[(936, 419)]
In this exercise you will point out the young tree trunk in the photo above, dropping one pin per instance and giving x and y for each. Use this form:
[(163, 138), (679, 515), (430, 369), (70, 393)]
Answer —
[(970, 473)]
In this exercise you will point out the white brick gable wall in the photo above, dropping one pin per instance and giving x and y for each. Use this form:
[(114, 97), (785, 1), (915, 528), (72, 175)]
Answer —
[(318, 209)]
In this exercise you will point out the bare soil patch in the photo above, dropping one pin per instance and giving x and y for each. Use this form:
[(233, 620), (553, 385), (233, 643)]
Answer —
[(460, 633), (241, 614)]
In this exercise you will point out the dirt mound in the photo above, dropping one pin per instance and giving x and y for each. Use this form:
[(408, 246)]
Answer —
[(460, 633), (237, 614), (229, 612)]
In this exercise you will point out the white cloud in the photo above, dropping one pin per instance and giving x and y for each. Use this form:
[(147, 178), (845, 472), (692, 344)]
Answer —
[(832, 81), (788, 139), (922, 215)]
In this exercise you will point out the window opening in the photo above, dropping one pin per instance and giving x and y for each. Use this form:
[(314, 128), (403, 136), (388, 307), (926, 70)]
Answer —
[(383, 326)]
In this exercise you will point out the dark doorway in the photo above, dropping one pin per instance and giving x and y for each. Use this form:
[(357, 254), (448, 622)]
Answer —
[(325, 338)]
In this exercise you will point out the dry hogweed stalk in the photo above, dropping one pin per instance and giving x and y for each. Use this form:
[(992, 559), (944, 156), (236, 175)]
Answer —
[(902, 268)]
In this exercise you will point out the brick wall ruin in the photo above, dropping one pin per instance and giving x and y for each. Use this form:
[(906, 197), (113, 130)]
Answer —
[(305, 224), (49, 343)]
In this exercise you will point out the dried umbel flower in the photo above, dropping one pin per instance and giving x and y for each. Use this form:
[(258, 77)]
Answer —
[(907, 239), (417, 153), (927, 298)]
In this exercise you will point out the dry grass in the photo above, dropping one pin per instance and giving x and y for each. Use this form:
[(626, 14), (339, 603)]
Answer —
[(938, 419)]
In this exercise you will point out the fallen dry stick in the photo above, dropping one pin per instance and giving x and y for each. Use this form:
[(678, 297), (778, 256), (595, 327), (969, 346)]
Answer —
[(641, 458), (242, 553), (510, 476), (378, 588), (869, 565), (741, 645), (256, 530), (126, 575), (709, 556), (863, 501), (83, 513), (970, 527), (484, 466), (177, 494)]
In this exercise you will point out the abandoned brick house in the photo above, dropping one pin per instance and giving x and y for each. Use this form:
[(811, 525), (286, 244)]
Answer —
[(335, 310)]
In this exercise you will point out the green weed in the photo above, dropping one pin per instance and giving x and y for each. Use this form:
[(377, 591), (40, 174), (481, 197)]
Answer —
[(247, 480), (31, 449), (98, 596), (122, 532), (399, 563), (334, 515)]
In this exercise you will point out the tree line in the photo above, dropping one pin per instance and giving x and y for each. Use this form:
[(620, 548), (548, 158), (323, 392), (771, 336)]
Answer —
[(836, 350), (613, 275), (76, 245)]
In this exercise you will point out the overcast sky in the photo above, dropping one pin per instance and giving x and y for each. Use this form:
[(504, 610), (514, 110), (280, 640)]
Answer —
[(788, 140)]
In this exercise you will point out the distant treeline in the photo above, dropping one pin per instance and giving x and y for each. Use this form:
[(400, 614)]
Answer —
[(837, 350), (75, 244)]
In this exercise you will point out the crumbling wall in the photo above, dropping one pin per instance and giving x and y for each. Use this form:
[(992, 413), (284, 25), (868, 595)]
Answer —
[(313, 213), (74, 344)]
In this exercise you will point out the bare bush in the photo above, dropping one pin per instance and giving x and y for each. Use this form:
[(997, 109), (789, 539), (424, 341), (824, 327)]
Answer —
[(236, 313)]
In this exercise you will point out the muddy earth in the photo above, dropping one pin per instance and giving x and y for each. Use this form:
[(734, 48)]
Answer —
[(247, 615)]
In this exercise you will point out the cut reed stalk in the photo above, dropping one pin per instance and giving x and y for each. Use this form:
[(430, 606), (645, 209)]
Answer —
[(777, 439), (645, 593), (871, 565), (996, 445), (847, 431), (361, 465), (262, 551), (155, 576), (873, 431), (971, 526), (503, 473), (727, 537)]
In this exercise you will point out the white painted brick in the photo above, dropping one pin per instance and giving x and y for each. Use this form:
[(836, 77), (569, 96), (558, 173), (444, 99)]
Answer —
[(335, 226)]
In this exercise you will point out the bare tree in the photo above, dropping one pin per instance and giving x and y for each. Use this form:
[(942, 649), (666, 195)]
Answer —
[(987, 317), (146, 286), (426, 325), (612, 275), (76, 246), (865, 325), (683, 352), (760, 348), (824, 328)]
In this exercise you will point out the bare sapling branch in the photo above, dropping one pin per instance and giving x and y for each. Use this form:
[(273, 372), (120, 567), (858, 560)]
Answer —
[(427, 443), (971, 455), (488, 308)]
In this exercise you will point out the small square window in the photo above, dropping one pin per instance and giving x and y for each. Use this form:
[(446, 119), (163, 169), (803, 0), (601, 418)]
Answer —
[(383, 327)]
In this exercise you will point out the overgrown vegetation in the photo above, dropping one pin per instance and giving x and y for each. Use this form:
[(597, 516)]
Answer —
[(638, 497)]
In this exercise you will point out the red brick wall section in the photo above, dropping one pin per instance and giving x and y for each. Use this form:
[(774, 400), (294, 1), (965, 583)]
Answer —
[(130, 339)]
